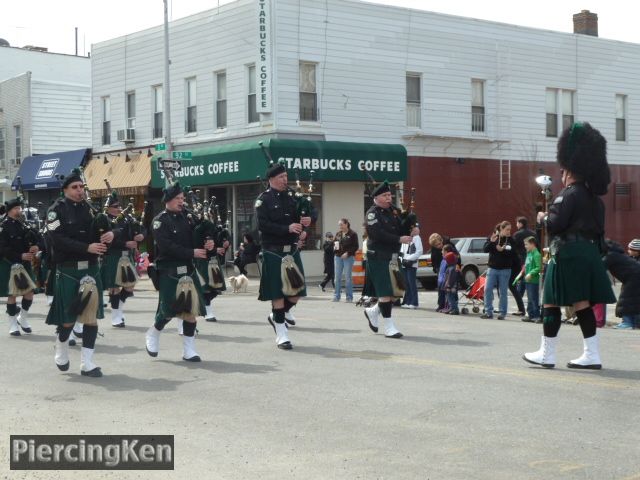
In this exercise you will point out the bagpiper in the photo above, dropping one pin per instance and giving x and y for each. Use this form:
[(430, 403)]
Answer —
[(18, 246)]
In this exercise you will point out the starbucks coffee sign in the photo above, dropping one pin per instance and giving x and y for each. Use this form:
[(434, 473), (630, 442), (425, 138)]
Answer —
[(263, 65)]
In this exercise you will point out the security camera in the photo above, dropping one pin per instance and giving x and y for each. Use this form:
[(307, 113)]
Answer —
[(544, 181)]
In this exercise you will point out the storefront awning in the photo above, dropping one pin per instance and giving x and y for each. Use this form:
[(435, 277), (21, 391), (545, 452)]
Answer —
[(127, 177), (39, 171), (330, 161)]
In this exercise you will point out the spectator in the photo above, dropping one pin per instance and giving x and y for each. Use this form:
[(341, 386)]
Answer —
[(452, 282), (246, 254), (633, 249), (625, 268), (437, 243), (531, 277), (345, 246), (519, 237), (411, 253), (442, 288), (501, 257), (329, 266)]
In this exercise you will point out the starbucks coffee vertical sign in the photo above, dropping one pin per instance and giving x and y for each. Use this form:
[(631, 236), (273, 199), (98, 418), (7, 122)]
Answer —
[(263, 67)]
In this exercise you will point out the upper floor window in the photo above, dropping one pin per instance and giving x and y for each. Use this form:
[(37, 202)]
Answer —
[(414, 100), (106, 121), (477, 105), (252, 113), (621, 118), (308, 93), (221, 100), (158, 107), (559, 102), (131, 109), (17, 134), (190, 101), (3, 155)]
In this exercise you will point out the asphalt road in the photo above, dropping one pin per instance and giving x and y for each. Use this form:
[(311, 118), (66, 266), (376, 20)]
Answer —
[(451, 400)]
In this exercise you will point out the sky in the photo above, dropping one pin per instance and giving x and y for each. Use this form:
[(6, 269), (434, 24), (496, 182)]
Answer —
[(51, 23)]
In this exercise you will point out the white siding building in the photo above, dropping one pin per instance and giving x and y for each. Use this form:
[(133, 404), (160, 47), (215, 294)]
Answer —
[(478, 105)]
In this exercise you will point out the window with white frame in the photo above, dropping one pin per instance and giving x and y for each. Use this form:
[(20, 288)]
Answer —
[(559, 103), (158, 107), (106, 120), (308, 92), (17, 135), (552, 112), (3, 147), (221, 100), (190, 101), (477, 105), (252, 113), (567, 109), (621, 118), (131, 109), (414, 100)]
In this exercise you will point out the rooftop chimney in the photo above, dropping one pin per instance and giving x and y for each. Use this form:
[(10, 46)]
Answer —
[(586, 23)]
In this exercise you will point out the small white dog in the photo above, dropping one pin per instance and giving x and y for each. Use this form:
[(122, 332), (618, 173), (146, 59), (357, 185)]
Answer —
[(239, 283)]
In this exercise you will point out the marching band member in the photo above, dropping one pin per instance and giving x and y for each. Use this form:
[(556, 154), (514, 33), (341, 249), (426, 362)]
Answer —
[(281, 226), (384, 229), (118, 271), (180, 292), (16, 252), (77, 242)]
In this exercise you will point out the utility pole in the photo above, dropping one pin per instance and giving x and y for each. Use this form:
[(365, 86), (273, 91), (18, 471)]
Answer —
[(167, 89)]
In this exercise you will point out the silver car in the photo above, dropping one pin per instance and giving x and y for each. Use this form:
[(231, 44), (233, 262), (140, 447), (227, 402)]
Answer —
[(474, 262)]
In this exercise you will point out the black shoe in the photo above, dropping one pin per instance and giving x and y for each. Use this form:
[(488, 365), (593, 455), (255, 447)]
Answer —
[(285, 346), (72, 342), (195, 358), (527, 319), (289, 322), (395, 335), (211, 319), (595, 366), (95, 373), (518, 314), (500, 317), (77, 334), (151, 354), (25, 329), (15, 333), (63, 368), (120, 325), (486, 316)]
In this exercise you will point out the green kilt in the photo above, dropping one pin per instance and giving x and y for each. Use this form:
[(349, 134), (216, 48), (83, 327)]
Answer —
[(50, 281), (378, 278), (67, 283), (271, 275), (168, 283), (110, 267), (5, 272), (577, 273), (202, 267)]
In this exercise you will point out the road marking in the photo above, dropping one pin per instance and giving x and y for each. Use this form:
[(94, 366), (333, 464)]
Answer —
[(580, 378)]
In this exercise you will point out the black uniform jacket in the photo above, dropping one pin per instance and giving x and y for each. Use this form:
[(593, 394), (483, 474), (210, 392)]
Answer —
[(121, 234), (383, 230), (69, 230), (173, 237), (576, 211), (13, 242)]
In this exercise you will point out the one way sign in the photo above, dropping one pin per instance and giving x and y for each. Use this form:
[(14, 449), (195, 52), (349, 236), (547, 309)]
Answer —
[(168, 164)]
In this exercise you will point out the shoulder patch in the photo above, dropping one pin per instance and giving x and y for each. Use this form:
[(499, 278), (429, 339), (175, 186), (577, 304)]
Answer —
[(558, 199), (258, 203), (371, 216), (51, 216), (157, 224), (53, 225)]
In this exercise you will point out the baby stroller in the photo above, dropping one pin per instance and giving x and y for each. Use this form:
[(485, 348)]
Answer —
[(474, 295)]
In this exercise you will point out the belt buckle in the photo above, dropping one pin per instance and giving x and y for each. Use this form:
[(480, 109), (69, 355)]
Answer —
[(125, 253), (83, 265), (181, 270), (286, 249)]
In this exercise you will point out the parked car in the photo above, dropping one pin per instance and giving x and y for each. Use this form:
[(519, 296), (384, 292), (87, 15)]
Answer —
[(474, 262)]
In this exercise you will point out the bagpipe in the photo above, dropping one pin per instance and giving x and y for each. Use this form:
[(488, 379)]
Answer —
[(100, 223), (20, 282)]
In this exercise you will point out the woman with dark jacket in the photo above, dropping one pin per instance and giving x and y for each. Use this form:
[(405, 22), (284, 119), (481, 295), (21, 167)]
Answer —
[(499, 246), (327, 247), (345, 246), (247, 253), (626, 269)]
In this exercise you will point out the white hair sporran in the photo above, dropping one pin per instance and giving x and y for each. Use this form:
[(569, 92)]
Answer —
[(187, 304), (292, 279), (216, 280), (126, 275), (85, 305), (20, 281), (398, 282)]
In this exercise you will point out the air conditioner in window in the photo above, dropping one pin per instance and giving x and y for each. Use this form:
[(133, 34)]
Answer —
[(127, 135)]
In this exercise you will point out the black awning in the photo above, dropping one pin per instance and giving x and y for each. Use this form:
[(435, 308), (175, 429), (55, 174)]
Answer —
[(39, 171)]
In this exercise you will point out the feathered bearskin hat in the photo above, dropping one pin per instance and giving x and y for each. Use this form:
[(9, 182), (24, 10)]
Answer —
[(583, 151), (380, 189), (74, 176), (112, 200), (171, 192), (14, 202)]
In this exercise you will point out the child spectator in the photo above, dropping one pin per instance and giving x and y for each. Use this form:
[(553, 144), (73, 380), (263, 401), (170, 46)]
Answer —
[(451, 282), (329, 268), (531, 272), (626, 269), (633, 249), (443, 307)]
